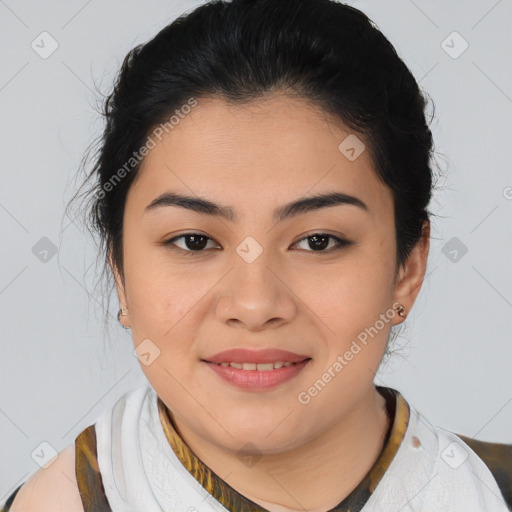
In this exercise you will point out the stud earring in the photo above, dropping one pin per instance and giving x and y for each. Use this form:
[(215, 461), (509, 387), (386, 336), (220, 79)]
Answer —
[(400, 310), (122, 312)]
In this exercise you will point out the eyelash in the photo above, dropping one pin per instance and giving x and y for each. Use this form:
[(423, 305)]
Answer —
[(341, 243)]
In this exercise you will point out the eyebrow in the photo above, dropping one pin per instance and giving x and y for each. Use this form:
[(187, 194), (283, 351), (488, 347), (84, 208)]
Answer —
[(292, 209)]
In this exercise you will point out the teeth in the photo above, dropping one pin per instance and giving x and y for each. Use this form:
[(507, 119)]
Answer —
[(265, 367), (262, 367)]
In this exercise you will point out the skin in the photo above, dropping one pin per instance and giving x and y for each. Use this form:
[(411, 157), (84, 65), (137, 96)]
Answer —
[(195, 304), (52, 488)]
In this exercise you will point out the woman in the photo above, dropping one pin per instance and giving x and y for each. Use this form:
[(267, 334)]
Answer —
[(261, 193)]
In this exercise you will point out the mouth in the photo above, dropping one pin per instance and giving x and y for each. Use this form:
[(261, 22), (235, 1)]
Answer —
[(261, 367), (252, 370), (247, 356)]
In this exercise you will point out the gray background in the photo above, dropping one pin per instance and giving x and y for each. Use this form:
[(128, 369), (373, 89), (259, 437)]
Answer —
[(58, 372)]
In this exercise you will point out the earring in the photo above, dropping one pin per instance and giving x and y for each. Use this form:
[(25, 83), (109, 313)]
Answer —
[(120, 313), (400, 310)]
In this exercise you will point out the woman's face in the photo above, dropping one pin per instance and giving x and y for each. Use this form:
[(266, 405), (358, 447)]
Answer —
[(252, 278)]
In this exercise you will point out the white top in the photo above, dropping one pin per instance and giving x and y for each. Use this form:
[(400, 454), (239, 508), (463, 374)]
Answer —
[(141, 472)]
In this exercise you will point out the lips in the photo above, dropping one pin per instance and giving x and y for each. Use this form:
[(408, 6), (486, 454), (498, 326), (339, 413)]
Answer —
[(258, 379), (241, 355)]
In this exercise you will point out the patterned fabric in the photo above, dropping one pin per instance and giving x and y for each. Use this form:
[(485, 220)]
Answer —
[(497, 457), (232, 500), (88, 475)]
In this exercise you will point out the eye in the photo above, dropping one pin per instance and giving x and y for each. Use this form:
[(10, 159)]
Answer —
[(196, 242), (319, 241), (193, 242)]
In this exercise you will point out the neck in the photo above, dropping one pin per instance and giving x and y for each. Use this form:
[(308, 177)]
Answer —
[(315, 476)]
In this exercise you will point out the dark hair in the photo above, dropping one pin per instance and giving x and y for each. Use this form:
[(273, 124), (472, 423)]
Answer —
[(327, 53)]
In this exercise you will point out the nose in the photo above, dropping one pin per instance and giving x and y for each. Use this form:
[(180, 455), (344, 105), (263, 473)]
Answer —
[(256, 297)]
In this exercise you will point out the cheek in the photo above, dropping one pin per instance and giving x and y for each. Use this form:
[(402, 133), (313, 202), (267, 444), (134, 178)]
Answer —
[(352, 304), (355, 292), (168, 308), (162, 304), (159, 293)]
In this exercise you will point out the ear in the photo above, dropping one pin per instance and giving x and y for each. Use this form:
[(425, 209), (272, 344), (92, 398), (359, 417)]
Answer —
[(121, 292), (412, 272)]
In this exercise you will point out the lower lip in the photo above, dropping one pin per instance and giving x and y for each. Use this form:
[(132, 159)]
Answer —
[(257, 380)]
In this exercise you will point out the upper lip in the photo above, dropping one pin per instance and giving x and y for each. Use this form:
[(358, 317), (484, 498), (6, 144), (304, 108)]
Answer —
[(244, 355)]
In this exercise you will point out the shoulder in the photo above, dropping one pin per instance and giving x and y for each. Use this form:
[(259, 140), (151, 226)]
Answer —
[(498, 458), (52, 488), (455, 472)]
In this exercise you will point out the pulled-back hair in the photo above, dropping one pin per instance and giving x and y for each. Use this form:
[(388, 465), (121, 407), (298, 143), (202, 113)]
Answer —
[(325, 52)]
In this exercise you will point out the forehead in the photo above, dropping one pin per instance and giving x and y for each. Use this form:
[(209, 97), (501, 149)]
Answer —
[(277, 148)]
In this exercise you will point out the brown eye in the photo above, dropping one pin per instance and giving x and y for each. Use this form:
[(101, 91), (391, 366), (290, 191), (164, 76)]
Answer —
[(197, 242), (192, 242), (318, 242)]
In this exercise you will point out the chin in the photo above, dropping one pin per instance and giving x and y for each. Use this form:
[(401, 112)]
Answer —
[(266, 436)]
